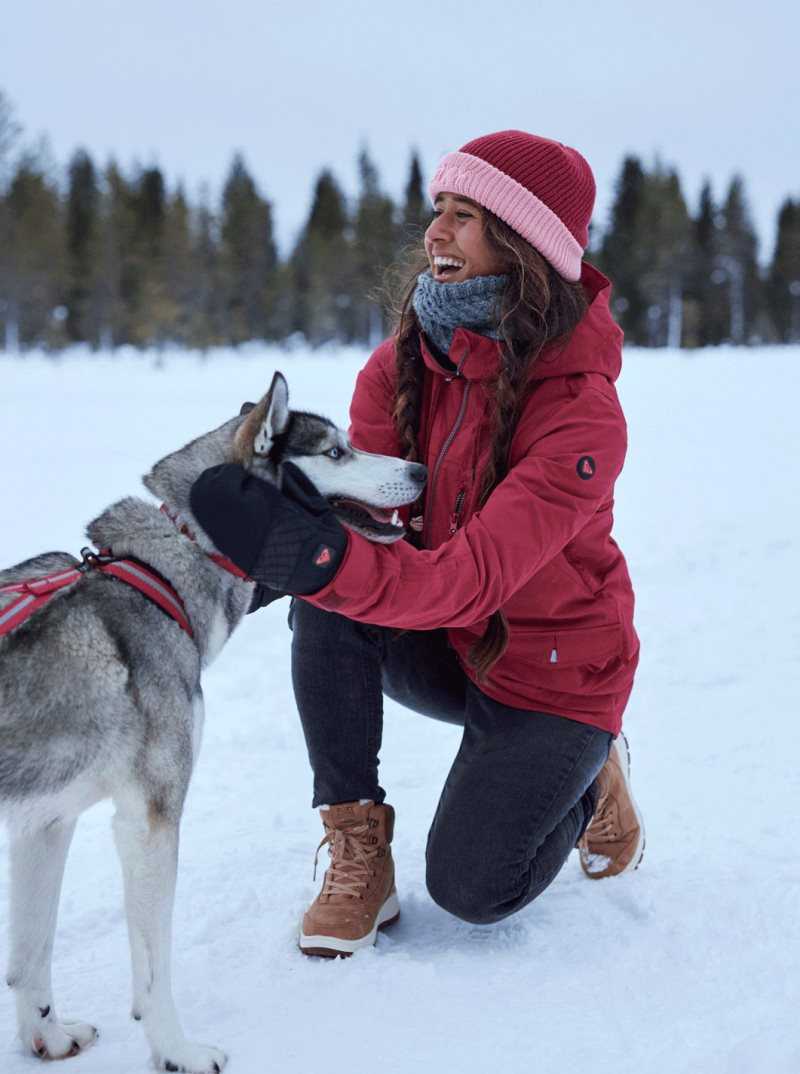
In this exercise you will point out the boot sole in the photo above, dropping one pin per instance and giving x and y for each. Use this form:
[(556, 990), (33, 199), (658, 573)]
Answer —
[(636, 860), (338, 947)]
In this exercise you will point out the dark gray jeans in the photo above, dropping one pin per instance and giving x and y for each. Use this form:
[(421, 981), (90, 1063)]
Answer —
[(520, 791)]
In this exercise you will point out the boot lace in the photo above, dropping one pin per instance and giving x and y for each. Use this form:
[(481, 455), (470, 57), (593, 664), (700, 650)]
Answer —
[(605, 826), (352, 859)]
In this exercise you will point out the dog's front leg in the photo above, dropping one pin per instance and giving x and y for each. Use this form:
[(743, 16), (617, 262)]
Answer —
[(148, 850), (37, 869)]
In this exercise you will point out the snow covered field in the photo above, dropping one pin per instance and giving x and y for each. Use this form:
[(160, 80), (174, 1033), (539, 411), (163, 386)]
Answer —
[(689, 966)]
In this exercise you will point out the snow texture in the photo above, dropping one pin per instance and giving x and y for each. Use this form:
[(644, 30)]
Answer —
[(688, 965)]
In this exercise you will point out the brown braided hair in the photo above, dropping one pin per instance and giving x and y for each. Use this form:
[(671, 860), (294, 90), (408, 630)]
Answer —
[(537, 307)]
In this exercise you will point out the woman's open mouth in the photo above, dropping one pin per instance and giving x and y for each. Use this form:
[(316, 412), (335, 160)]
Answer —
[(380, 524), (446, 268)]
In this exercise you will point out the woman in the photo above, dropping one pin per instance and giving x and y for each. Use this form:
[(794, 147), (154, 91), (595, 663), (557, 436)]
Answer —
[(509, 610)]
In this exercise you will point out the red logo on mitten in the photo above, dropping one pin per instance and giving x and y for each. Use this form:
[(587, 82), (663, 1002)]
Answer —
[(323, 557)]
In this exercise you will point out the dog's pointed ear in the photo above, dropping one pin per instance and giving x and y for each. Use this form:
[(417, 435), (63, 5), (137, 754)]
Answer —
[(268, 419), (276, 419)]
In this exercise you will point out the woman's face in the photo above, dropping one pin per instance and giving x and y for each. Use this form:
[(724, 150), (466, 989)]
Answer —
[(456, 243)]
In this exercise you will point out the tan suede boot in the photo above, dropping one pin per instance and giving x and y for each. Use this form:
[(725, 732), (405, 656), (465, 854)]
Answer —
[(613, 843), (358, 895)]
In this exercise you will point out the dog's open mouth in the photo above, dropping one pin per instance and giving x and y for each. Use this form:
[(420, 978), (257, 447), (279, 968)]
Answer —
[(377, 523)]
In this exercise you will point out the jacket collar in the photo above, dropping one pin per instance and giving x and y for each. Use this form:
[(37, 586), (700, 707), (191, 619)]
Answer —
[(594, 347), (475, 357)]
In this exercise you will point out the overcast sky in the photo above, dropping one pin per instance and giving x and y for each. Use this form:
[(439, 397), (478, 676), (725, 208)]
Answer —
[(711, 86)]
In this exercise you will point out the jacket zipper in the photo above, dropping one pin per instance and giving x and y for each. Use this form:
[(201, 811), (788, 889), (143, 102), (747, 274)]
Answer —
[(457, 511), (446, 445)]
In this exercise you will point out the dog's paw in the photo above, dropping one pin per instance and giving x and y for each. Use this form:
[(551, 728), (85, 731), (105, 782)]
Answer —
[(191, 1058), (61, 1040)]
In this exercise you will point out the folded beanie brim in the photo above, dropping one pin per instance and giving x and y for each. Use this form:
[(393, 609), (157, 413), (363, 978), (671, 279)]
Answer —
[(468, 175)]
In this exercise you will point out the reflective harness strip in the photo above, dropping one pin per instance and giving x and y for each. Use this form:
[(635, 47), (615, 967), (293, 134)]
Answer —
[(36, 592), (153, 587)]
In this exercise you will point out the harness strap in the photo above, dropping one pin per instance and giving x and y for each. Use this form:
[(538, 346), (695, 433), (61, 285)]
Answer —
[(153, 586), (36, 592), (33, 595), (228, 565)]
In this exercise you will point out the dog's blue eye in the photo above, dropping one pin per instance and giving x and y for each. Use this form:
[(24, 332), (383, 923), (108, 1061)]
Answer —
[(334, 453)]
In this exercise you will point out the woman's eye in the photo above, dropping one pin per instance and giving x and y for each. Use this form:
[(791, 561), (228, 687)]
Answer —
[(460, 214)]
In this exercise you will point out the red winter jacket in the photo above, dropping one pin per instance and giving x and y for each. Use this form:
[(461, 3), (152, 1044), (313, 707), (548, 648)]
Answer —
[(540, 548)]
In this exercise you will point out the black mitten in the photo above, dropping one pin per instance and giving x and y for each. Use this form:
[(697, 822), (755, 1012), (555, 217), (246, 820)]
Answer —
[(289, 538)]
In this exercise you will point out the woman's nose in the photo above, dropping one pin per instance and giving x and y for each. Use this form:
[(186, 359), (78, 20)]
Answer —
[(439, 228)]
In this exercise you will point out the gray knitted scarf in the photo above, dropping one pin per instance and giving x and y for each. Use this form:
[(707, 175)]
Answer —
[(443, 307)]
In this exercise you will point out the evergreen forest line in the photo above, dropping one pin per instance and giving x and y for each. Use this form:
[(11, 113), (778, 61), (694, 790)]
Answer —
[(107, 258)]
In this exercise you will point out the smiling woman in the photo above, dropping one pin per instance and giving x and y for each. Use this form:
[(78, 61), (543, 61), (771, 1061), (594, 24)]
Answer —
[(507, 608)]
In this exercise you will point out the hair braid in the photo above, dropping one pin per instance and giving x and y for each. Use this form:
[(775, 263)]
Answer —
[(408, 391)]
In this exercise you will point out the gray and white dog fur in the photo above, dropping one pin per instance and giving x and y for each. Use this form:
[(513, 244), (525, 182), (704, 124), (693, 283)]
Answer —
[(100, 697)]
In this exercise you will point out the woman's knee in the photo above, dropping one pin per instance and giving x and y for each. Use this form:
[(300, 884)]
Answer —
[(464, 894)]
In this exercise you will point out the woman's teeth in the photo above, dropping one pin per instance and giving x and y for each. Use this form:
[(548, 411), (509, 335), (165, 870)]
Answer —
[(445, 265)]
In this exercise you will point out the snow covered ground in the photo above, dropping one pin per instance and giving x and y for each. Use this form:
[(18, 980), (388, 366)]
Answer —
[(691, 964)]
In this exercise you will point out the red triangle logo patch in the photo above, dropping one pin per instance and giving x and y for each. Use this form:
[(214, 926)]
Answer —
[(586, 467), (324, 557)]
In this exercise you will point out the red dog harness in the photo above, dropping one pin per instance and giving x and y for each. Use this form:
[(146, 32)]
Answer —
[(36, 592)]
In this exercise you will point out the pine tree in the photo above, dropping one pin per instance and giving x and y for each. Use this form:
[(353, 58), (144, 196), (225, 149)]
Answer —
[(206, 317), (416, 211), (9, 132), (375, 238), (179, 272), (662, 256), (9, 323), (83, 198), (147, 293), (706, 311), (783, 281), (248, 257), (736, 266), (114, 275), (321, 268), (619, 255), (33, 278)]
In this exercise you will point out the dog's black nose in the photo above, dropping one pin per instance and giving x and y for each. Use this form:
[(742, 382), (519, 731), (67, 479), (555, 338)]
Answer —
[(418, 472)]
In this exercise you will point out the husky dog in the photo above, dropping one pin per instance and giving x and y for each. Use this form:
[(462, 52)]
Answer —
[(100, 697)]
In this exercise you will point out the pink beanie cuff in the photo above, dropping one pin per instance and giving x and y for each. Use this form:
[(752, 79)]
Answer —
[(465, 174)]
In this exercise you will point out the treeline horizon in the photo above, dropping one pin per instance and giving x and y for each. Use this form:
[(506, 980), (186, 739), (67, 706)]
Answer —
[(109, 258)]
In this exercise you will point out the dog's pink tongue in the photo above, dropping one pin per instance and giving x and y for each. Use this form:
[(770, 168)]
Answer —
[(380, 514)]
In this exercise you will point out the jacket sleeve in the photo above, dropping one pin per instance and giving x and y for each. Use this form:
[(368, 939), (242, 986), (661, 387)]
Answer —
[(529, 518), (371, 425)]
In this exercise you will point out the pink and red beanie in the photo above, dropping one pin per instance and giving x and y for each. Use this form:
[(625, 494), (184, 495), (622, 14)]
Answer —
[(542, 189)]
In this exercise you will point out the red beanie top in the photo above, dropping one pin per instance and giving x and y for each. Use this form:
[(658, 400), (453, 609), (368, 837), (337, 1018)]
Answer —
[(542, 189)]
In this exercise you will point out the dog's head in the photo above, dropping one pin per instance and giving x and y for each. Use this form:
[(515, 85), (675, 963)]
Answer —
[(364, 490)]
